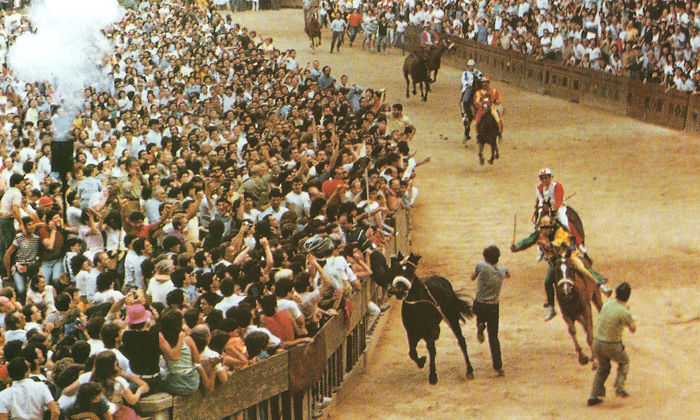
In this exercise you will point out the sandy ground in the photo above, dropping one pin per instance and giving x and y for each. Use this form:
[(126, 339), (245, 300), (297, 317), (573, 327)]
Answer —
[(636, 192)]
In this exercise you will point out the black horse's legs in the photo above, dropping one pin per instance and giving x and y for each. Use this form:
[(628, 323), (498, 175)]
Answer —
[(414, 87), (454, 326), (413, 354), (432, 378), (408, 85), (481, 153), (494, 149)]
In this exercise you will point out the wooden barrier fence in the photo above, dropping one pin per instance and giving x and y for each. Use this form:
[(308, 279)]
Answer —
[(287, 386), (620, 95)]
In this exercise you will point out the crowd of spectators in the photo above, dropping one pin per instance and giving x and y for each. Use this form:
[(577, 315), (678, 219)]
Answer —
[(225, 201), (655, 41)]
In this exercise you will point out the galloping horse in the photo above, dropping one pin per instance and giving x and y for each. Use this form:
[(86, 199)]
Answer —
[(426, 303), (415, 66), (468, 109), (487, 133), (432, 59), (313, 29), (574, 295)]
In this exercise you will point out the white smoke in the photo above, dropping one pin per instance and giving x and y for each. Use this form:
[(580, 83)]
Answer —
[(66, 49)]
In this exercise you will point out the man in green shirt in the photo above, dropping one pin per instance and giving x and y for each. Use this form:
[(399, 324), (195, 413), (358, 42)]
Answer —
[(607, 345)]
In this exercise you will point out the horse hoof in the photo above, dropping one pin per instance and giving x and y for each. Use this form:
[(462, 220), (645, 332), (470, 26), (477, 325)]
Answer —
[(470, 375), (481, 161), (421, 362), (490, 161), (583, 360), (425, 99), (433, 378)]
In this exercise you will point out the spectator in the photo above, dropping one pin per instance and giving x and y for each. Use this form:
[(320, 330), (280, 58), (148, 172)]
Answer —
[(26, 398)]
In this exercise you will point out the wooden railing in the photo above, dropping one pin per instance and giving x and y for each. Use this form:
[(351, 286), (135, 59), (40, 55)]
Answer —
[(288, 385), (620, 95)]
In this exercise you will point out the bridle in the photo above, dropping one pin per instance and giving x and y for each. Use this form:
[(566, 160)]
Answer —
[(565, 281), (431, 299)]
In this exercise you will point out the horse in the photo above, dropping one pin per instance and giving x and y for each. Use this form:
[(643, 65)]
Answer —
[(414, 66), (426, 302), (468, 109), (313, 30), (487, 133), (574, 296), (432, 59)]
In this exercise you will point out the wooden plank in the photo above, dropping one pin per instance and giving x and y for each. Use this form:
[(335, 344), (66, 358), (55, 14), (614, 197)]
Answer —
[(244, 388), (334, 334)]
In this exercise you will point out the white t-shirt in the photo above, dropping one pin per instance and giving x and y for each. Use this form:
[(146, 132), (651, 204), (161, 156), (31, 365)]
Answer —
[(25, 399), (159, 290), (290, 306)]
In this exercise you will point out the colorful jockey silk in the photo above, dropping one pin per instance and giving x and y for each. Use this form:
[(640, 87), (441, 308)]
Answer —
[(555, 193), (492, 94)]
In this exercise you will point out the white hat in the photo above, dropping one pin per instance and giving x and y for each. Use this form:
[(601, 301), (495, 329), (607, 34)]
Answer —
[(471, 63)]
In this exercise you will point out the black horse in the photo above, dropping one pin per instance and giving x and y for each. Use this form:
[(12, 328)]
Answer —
[(486, 133), (426, 303), (415, 71), (468, 109)]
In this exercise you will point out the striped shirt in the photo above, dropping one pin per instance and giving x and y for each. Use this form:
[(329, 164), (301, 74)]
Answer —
[(27, 249)]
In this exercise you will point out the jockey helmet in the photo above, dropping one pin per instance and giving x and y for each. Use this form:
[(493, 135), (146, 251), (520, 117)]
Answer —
[(545, 172), (545, 221), (471, 63)]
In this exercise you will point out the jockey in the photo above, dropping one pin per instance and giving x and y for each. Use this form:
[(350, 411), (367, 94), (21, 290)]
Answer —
[(428, 38), (469, 76), (489, 95), (550, 239), (551, 193)]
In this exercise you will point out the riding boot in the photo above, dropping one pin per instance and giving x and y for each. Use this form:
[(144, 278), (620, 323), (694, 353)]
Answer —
[(604, 288), (552, 314)]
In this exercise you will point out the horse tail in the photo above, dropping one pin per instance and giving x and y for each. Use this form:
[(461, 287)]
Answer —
[(465, 309)]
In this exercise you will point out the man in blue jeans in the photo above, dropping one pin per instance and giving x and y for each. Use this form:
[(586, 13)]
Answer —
[(490, 277)]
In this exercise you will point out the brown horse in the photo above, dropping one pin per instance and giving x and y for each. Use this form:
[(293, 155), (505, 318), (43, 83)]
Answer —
[(432, 60), (574, 295), (313, 30), (415, 67), (487, 133)]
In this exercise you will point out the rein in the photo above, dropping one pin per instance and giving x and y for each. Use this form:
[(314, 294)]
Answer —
[(432, 300)]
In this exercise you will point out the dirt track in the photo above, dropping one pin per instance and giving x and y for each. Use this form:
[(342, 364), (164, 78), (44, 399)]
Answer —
[(636, 192)]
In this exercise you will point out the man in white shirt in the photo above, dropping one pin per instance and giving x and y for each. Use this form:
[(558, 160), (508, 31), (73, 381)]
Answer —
[(26, 398), (298, 200), (139, 250), (231, 298), (276, 208)]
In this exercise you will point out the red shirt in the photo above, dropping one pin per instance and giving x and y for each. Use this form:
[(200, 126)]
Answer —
[(355, 19), (329, 187), (50, 254), (280, 325)]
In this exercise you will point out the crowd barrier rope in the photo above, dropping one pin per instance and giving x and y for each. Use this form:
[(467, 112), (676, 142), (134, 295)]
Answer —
[(619, 95), (289, 385)]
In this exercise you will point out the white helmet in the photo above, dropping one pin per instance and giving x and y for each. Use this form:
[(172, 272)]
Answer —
[(471, 63), (545, 171)]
